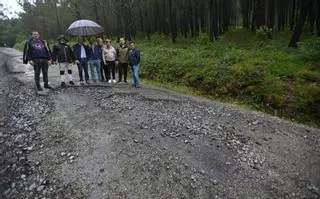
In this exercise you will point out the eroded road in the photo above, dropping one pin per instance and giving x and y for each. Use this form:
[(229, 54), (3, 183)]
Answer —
[(114, 141)]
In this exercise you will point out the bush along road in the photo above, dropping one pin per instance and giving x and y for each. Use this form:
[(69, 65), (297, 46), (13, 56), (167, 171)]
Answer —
[(114, 141)]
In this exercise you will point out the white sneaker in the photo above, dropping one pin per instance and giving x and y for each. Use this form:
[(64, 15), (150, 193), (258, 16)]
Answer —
[(110, 81), (114, 81)]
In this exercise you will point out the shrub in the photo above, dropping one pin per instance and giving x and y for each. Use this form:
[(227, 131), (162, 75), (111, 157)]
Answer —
[(263, 33), (203, 39), (310, 49)]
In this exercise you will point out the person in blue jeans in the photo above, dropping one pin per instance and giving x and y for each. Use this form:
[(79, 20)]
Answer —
[(134, 60), (82, 54), (95, 62)]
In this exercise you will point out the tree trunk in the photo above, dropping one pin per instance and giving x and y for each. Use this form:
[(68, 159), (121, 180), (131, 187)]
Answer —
[(57, 17), (95, 9), (293, 13), (304, 9), (318, 19), (173, 21)]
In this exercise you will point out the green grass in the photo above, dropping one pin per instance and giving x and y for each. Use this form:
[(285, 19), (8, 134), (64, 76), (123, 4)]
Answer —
[(240, 69), (265, 75)]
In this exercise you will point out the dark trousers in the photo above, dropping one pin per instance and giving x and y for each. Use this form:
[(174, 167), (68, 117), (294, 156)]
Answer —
[(103, 71), (123, 70), (41, 65), (111, 67), (83, 66)]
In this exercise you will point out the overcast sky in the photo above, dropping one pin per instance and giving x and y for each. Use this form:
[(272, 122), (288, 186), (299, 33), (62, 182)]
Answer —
[(12, 7)]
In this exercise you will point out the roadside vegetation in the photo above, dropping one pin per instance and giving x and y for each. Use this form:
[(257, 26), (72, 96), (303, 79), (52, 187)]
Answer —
[(243, 68)]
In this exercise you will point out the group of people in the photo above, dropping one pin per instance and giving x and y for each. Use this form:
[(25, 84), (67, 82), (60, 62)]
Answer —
[(102, 59)]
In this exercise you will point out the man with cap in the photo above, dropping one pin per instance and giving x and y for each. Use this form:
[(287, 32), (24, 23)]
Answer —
[(63, 54)]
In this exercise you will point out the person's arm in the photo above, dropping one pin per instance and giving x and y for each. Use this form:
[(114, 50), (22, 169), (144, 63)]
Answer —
[(25, 52), (138, 56), (103, 56), (54, 53), (115, 53), (127, 56), (73, 58), (74, 53), (29, 54), (49, 51)]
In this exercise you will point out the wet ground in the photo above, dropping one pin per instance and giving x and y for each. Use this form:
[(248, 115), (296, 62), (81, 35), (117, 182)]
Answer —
[(115, 141)]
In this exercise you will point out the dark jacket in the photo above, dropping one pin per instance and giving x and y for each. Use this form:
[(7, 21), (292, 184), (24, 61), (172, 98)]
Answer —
[(62, 52), (134, 57), (96, 52), (36, 49), (77, 51), (123, 54)]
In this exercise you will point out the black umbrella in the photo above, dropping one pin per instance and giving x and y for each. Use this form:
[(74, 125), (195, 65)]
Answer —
[(84, 28)]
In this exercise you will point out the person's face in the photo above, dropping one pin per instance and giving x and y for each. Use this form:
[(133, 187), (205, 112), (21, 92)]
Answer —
[(108, 43), (122, 41), (35, 35), (132, 45), (100, 41)]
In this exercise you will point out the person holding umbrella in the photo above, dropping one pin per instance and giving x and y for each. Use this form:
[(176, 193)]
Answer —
[(62, 53), (82, 55)]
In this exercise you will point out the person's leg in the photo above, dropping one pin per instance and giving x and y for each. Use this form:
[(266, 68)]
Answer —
[(113, 70), (120, 65), (133, 78), (45, 67), (92, 64), (108, 71), (98, 64), (36, 68), (80, 69), (125, 72), (104, 66), (69, 68), (136, 75), (86, 72), (102, 70), (62, 67)]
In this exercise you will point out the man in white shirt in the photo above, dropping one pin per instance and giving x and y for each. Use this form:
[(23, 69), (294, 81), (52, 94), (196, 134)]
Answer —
[(109, 55)]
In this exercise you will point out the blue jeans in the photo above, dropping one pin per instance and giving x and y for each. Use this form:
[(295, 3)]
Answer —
[(95, 64), (135, 75), (83, 65)]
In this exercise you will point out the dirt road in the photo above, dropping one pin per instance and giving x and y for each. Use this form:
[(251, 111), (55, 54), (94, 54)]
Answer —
[(115, 141)]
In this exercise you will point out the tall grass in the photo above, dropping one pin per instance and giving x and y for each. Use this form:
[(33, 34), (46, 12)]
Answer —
[(261, 73), (241, 67)]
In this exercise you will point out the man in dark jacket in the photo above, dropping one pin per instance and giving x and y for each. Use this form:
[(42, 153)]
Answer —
[(37, 54), (82, 54), (134, 60), (62, 53), (123, 59)]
